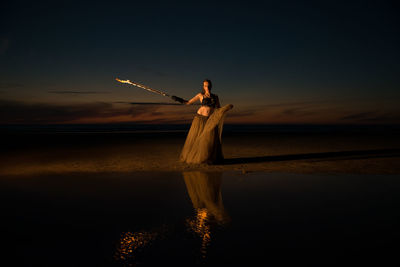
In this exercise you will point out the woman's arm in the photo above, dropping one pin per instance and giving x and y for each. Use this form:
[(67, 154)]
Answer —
[(194, 99)]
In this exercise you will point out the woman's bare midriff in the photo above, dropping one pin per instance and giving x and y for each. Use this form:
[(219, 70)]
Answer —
[(205, 110)]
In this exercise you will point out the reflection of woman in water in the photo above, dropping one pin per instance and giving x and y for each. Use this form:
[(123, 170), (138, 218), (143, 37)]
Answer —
[(204, 189), (204, 140)]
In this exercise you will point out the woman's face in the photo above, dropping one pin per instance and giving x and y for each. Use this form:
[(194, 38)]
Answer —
[(205, 85)]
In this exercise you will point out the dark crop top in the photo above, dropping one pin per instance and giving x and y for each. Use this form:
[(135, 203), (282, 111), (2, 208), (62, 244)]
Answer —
[(209, 101)]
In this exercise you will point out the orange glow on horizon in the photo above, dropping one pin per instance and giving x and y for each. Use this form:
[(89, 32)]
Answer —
[(311, 112)]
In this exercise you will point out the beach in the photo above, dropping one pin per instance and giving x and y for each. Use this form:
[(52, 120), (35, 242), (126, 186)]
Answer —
[(374, 152), (106, 198)]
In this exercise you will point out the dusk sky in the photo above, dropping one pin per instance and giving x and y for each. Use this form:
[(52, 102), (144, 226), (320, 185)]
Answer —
[(277, 62)]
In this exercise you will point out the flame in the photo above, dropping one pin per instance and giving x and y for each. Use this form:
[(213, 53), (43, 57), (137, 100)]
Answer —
[(124, 81), (142, 86)]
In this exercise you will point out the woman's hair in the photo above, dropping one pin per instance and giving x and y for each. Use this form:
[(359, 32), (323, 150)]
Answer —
[(209, 86)]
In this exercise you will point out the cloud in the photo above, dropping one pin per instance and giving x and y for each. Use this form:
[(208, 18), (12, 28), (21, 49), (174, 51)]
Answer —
[(148, 103), (243, 113), (5, 85), (296, 104), (14, 112), (77, 92), (373, 117), (23, 112), (98, 112), (323, 112), (279, 110), (298, 112), (297, 109), (359, 116)]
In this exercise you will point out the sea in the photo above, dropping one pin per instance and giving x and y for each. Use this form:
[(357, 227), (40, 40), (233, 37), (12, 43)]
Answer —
[(154, 128)]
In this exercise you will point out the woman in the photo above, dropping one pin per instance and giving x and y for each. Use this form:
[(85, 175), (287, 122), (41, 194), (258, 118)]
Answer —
[(204, 140)]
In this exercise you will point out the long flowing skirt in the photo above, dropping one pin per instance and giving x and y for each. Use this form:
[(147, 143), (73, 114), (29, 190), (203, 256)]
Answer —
[(204, 140)]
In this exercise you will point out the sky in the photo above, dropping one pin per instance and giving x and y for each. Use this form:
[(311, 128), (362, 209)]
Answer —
[(316, 62)]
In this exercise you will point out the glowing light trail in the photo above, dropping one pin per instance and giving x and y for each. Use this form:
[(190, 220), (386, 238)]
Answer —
[(175, 98)]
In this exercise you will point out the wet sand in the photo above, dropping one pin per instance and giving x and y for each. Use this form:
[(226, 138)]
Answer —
[(329, 152), (200, 219)]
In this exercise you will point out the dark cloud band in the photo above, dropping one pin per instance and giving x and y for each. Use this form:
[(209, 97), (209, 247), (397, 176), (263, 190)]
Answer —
[(77, 92)]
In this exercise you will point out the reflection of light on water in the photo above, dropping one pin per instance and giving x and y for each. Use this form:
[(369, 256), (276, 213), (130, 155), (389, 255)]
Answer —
[(200, 225), (130, 243), (204, 189)]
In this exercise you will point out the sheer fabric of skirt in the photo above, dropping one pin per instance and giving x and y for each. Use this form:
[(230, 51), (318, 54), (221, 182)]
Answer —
[(204, 140)]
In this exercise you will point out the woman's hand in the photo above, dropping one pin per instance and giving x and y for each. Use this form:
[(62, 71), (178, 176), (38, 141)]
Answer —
[(180, 100)]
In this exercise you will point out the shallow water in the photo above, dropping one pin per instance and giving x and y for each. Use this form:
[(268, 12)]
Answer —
[(199, 218)]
